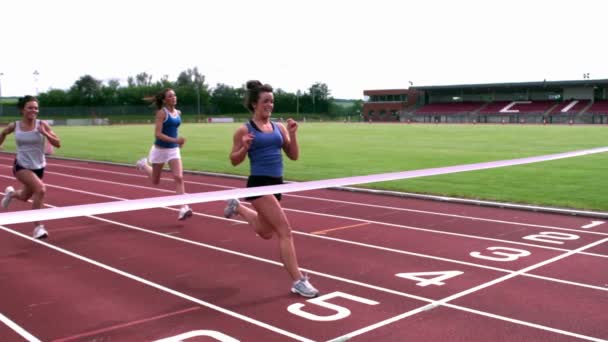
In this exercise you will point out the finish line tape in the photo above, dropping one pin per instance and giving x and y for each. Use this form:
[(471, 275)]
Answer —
[(202, 197)]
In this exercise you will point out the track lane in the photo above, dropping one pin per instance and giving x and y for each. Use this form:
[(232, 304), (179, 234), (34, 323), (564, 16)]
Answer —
[(56, 296), (217, 208)]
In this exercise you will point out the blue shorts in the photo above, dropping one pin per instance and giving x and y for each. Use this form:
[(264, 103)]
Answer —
[(37, 172), (254, 181)]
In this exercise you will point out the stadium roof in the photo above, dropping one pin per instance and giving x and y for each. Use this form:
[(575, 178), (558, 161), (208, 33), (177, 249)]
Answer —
[(541, 84), (386, 92)]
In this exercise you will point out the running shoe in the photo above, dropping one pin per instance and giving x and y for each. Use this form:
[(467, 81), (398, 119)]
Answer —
[(184, 213), (8, 196), (40, 232), (141, 164), (231, 207), (304, 288)]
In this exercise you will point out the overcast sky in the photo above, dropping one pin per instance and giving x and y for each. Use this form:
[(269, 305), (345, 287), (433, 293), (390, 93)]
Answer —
[(349, 45)]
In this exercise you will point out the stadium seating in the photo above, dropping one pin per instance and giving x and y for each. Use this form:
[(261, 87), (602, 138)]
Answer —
[(599, 107), (497, 107), (494, 107), (450, 108), (569, 106), (520, 107)]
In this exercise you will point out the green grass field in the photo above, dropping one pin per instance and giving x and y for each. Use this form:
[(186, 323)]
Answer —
[(330, 150), (9, 101)]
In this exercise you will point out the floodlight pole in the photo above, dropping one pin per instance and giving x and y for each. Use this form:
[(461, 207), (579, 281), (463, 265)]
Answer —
[(36, 73), (298, 103), (312, 92), (198, 101), (198, 98)]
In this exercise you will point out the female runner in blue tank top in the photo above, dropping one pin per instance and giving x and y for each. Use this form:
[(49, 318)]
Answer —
[(31, 135), (167, 145), (263, 142)]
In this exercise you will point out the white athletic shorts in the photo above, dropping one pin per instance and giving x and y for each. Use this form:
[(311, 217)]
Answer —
[(159, 155)]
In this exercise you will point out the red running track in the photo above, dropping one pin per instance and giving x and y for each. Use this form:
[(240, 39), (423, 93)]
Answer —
[(389, 269)]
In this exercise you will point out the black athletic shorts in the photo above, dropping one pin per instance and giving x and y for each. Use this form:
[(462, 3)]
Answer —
[(254, 181), (17, 167)]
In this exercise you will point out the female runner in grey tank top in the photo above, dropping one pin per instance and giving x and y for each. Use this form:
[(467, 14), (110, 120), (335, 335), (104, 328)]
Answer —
[(31, 135)]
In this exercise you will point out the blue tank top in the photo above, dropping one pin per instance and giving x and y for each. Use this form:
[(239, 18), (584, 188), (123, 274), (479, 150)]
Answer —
[(170, 126), (265, 151)]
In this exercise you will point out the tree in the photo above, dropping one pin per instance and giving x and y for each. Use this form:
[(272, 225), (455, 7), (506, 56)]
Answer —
[(284, 102), (191, 77), (164, 82), (192, 90), (141, 80), (54, 97), (86, 91), (319, 91), (109, 93), (227, 99), (319, 95)]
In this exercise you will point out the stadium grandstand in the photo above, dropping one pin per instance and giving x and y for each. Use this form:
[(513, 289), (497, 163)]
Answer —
[(561, 102), (388, 104)]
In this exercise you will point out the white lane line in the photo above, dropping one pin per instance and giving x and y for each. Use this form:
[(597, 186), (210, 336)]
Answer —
[(159, 287), (426, 256), (477, 288), (19, 330), (340, 279), (348, 242), (441, 232), (593, 224), (473, 218), (191, 198), (520, 322), (453, 261), (329, 276), (436, 213)]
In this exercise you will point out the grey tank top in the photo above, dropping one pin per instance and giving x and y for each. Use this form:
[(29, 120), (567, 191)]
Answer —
[(30, 147)]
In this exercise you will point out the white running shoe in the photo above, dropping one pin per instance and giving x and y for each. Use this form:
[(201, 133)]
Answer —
[(304, 288), (40, 232), (8, 196), (184, 213), (141, 164), (231, 207)]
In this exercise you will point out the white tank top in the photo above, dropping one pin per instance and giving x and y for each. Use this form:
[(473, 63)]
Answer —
[(30, 147)]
